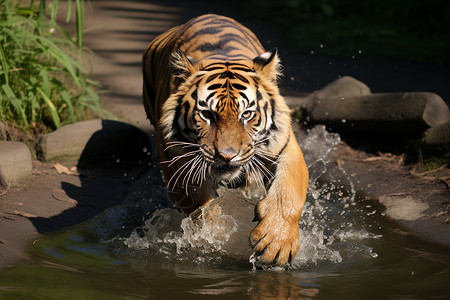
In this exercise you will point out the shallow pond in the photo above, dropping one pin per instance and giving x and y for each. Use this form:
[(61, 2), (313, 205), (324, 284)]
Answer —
[(144, 248)]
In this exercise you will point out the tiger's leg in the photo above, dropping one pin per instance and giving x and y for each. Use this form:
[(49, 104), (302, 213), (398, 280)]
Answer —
[(275, 239)]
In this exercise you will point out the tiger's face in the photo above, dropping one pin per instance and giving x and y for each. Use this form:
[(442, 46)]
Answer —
[(224, 119)]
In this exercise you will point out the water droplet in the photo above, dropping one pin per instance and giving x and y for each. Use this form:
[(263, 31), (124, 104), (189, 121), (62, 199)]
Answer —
[(321, 45), (343, 120), (144, 149), (342, 99), (118, 160), (312, 52)]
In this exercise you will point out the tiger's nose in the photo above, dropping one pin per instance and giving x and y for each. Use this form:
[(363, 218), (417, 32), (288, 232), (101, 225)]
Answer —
[(228, 154)]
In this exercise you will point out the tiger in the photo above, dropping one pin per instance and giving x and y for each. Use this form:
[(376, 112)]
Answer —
[(210, 90)]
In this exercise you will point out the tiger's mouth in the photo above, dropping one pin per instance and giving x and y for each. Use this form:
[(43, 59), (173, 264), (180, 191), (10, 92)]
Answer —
[(228, 171), (225, 167)]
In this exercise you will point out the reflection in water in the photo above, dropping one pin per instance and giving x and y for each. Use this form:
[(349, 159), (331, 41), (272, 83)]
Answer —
[(279, 285), (261, 285)]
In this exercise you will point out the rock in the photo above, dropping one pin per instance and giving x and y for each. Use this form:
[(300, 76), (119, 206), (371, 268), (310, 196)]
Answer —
[(234, 204), (94, 141), (405, 114), (438, 135), (436, 142), (15, 163), (404, 207), (4, 185), (343, 87)]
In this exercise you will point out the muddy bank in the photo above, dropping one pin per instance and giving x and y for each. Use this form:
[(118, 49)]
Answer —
[(420, 201)]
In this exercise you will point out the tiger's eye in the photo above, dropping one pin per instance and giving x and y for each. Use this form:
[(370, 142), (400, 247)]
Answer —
[(247, 115), (207, 115)]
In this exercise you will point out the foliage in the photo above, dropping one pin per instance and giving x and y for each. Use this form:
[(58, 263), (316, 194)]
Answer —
[(408, 29), (42, 79)]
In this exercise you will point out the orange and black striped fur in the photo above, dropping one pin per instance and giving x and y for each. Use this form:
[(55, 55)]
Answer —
[(210, 90)]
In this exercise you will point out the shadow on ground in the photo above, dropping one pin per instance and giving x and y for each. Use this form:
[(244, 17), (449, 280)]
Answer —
[(111, 161)]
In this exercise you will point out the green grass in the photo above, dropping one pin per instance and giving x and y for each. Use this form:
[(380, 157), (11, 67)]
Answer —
[(42, 77)]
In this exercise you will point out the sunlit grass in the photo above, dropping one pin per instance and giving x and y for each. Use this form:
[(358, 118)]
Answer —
[(42, 77)]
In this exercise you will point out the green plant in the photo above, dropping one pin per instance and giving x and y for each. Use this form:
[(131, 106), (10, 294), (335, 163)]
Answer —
[(42, 79), (411, 30)]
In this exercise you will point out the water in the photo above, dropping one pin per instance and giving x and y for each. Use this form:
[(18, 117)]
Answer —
[(146, 248)]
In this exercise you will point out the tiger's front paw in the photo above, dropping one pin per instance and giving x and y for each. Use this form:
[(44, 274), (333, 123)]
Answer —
[(275, 240)]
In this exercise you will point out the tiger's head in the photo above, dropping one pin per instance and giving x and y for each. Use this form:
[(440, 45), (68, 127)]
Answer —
[(225, 119)]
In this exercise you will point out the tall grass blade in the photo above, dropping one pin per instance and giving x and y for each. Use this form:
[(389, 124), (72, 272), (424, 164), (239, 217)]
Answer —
[(68, 63), (66, 98), (4, 65), (79, 6), (42, 11), (34, 105), (42, 78), (15, 103), (51, 107), (69, 10), (54, 11)]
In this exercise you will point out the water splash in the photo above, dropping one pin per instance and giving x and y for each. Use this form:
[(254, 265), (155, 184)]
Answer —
[(330, 224), (170, 232), (332, 229)]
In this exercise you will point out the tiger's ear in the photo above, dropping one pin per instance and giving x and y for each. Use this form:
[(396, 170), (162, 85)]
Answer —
[(268, 64), (183, 65)]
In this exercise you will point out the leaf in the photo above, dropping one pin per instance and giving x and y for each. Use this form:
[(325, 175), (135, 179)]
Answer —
[(4, 65), (22, 214), (66, 98), (16, 103), (54, 12), (50, 48), (51, 107), (61, 169), (69, 10), (42, 11), (79, 6)]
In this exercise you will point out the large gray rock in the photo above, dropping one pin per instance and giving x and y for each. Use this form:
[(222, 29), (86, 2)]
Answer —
[(68, 141), (94, 141), (345, 86), (392, 114), (234, 204), (15, 164)]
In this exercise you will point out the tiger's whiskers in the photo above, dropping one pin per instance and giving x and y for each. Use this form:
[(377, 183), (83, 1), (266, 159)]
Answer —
[(191, 171)]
